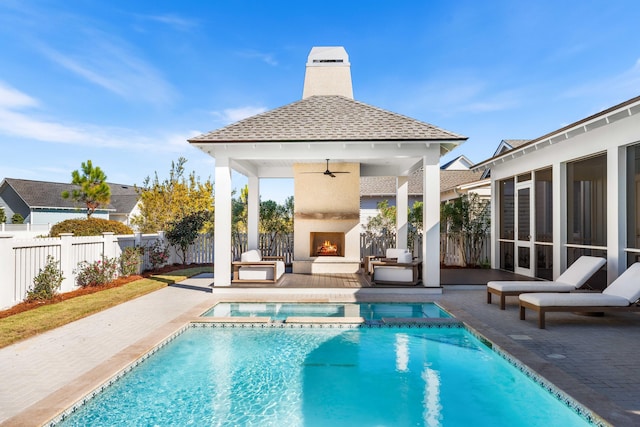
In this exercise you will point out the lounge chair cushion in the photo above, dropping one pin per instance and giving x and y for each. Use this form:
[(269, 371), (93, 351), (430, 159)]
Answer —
[(386, 273), (251, 256), (574, 300), (530, 286), (581, 270), (626, 285), (261, 273)]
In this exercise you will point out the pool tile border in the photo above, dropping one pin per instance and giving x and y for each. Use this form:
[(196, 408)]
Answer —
[(579, 409)]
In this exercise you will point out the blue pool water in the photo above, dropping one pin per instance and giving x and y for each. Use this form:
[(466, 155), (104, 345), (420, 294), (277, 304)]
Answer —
[(325, 377), (369, 311)]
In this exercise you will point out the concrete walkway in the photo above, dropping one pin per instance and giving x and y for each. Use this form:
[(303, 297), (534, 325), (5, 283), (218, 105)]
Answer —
[(593, 359)]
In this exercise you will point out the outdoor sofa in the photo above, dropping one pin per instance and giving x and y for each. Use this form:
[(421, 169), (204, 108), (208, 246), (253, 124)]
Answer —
[(621, 295), (574, 277), (254, 268), (397, 268)]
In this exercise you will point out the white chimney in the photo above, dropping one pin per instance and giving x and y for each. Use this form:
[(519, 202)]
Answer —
[(328, 72)]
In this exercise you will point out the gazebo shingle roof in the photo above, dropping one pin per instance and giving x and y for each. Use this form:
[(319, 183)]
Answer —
[(327, 118)]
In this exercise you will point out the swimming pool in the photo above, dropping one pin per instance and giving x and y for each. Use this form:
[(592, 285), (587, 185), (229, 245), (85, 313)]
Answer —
[(283, 375), (368, 311)]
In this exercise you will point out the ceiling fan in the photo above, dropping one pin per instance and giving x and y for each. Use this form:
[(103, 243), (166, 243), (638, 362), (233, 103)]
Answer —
[(328, 172)]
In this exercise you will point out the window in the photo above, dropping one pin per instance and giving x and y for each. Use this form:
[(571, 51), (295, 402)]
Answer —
[(507, 223), (507, 200), (587, 201), (544, 206), (633, 203), (587, 213)]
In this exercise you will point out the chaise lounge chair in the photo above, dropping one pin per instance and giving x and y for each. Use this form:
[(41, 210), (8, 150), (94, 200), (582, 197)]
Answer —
[(574, 277), (621, 295)]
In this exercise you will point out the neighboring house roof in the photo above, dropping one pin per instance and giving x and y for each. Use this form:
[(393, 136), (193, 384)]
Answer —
[(386, 185), (460, 162), (327, 118), (509, 144), (44, 194)]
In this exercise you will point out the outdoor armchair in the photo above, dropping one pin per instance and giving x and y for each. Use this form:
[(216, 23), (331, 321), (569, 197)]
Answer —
[(255, 268)]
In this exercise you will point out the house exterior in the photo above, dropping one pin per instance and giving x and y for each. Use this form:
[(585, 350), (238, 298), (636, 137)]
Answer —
[(453, 183), (326, 142), (40, 202), (572, 192)]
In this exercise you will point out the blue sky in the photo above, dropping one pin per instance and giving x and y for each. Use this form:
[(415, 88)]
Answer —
[(125, 83)]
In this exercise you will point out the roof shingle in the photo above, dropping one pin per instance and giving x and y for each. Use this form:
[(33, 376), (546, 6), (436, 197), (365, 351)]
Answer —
[(327, 118), (44, 194)]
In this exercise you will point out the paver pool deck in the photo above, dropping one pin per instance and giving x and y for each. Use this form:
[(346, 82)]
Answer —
[(593, 359)]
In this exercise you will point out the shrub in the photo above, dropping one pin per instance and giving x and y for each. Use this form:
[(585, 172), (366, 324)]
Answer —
[(185, 231), (47, 282), (97, 273), (89, 227), (17, 219), (130, 261), (3, 216), (158, 254)]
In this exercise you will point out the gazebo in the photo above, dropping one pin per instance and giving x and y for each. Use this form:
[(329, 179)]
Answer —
[(326, 142)]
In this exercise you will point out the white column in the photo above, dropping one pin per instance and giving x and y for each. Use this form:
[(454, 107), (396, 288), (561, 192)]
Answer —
[(253, 212), (222, 233), (496, 212), (616, 211), (402, 206), (559, 217), (431, 224)]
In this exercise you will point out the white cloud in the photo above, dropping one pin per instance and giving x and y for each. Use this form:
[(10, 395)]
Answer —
[(460, 95), (622, 85), (267, 58), (13, 98), (173, 21), (231, 115), (110, 64), (29, 123)]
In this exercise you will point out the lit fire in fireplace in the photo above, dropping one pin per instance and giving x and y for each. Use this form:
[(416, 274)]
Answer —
[(327, 248)]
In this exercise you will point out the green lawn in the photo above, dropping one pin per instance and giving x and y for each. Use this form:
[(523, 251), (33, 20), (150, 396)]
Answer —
[(29, 323)]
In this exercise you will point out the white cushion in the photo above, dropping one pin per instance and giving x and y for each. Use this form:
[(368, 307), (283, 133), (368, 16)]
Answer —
[(574, 300), (261, 272), (627, 285), (529, 286), (251, 256), (394, 252), (405, 258), (393, 274), (581, 270)]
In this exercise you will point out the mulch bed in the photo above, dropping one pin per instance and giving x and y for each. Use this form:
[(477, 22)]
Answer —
[(30, 305)]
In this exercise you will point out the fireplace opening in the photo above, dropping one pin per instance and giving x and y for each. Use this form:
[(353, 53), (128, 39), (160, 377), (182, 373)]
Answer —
[(327, 244)]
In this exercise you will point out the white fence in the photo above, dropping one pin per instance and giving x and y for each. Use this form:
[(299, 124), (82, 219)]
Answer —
[(451, 251), (21, 259)]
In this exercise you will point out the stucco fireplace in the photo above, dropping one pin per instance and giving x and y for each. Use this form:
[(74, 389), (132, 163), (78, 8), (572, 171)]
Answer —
[(327, 219)]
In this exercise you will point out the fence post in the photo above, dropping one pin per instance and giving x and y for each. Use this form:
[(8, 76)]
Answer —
[(7, 272), (66, 262), (108, 245)]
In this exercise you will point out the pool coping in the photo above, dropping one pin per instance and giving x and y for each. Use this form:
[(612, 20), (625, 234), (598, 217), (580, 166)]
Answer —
[(342, 323)]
